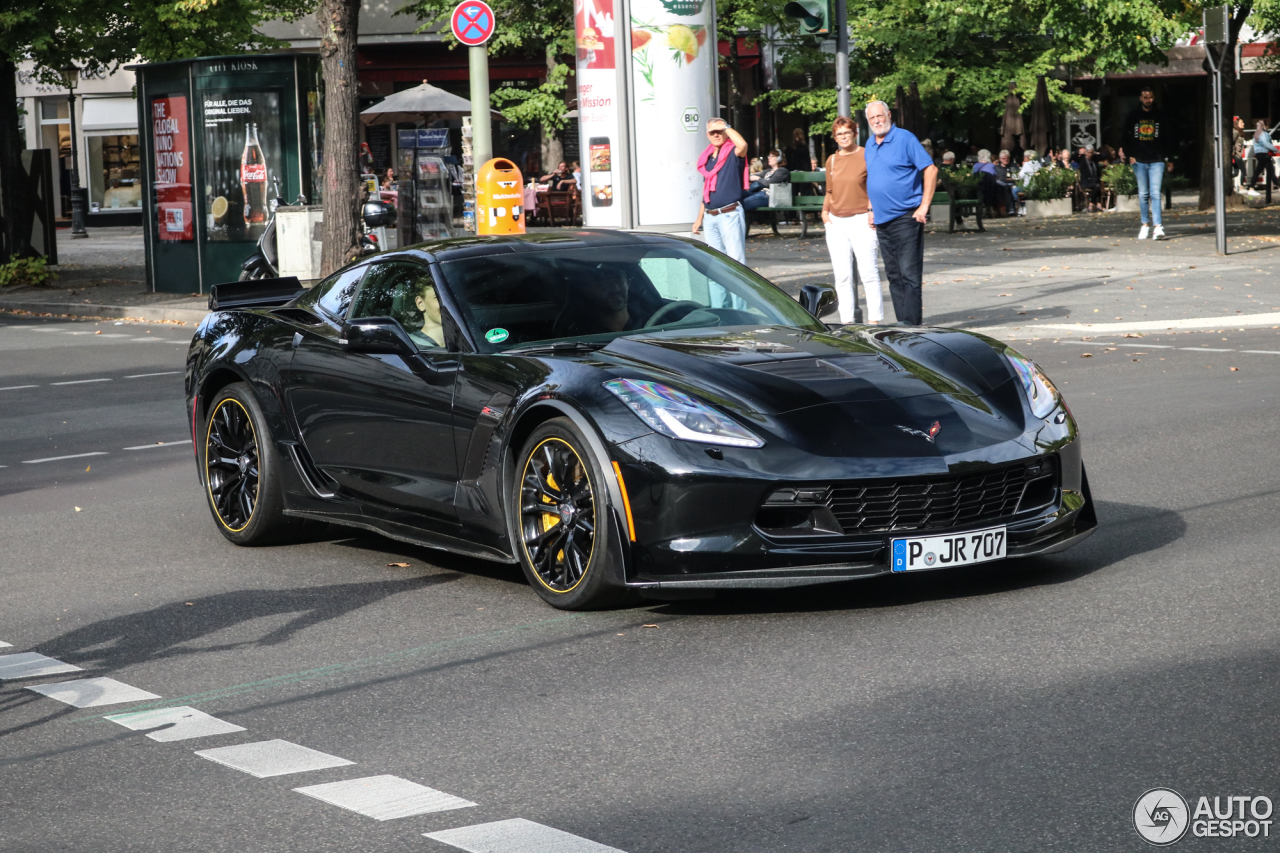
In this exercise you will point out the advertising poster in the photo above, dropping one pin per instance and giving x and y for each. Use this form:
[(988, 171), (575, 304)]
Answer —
[(242, 161), (172, 181), (673, 59), (598, 121)]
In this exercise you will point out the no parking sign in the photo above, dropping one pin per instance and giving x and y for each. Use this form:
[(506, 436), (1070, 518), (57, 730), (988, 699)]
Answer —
[(472, 22)]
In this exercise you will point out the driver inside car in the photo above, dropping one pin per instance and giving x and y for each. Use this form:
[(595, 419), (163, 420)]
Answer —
[(431, 333)]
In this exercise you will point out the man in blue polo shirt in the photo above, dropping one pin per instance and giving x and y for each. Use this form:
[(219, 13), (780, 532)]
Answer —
[(900, 181)]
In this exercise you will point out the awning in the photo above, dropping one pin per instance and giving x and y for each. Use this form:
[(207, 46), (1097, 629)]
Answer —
[(119, 114)]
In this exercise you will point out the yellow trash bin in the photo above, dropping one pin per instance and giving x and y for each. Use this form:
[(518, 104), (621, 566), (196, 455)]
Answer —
[(499, 198)]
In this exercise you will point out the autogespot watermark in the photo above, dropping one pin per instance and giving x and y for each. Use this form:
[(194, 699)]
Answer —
[(1163, 817)]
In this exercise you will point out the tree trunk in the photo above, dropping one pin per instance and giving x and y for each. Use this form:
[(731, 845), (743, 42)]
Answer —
[(552, 147), (735, 83), (338, 21), (1228, 60), (14, 213)]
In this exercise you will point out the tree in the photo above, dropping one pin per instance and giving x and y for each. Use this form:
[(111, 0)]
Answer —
[(104, 34), (528, 27), (339, 20)]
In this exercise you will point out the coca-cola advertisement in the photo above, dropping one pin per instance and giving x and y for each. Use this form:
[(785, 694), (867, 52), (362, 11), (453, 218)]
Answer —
[(243, 163), (172, 181)]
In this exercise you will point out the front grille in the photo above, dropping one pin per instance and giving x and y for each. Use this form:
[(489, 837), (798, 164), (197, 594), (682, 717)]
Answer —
[(929, 502)]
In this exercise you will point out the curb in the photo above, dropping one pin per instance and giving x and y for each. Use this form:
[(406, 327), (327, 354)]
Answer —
[(145, 313)]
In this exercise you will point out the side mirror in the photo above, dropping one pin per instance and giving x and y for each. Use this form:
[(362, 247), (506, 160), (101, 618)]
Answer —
[(817, 299), (377, 335)]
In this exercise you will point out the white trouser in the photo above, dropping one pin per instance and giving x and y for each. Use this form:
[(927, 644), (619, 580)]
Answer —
[(850, 237)]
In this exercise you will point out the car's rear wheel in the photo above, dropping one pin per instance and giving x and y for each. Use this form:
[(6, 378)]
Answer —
[(561, 506), (242, 470)]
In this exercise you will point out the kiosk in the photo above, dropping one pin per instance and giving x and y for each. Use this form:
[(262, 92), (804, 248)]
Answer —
[(222, 139)]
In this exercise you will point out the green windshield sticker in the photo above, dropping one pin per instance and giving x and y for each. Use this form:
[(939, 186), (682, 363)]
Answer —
[(496, 336)]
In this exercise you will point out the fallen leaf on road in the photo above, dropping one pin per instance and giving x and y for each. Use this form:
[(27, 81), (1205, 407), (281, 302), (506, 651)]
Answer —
[(98, 332), (191, 604), (655, 626), (1043, 268), (398, 565), (1235, 368), (77, 509), (1006, 294), (86, 468), (1086, 355), (1132, 335)]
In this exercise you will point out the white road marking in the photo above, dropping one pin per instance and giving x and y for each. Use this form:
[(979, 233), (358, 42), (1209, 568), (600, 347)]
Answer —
[(4, 645), (1258, 351), (113, 335), (1149, 346), (80, 381), (159, 444), (384, 797), (516, 836), (18, 387), (31, 664), (272, 758), (1205, 349), (144, 375), (92, 692), (182, 723), (60, 458), (77, 333), (1089, 343)]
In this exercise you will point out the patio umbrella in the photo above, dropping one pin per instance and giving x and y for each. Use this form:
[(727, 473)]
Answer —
[(421, 103), (1011, 126), (1041, 117)]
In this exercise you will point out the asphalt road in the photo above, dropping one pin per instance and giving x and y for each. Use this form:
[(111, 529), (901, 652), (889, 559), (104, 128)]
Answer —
[(1017, 706)]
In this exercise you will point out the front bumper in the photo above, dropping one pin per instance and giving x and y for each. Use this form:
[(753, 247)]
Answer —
[(696, 523)]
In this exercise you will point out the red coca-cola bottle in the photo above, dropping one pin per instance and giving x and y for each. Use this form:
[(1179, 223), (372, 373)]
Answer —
[(253, 178)]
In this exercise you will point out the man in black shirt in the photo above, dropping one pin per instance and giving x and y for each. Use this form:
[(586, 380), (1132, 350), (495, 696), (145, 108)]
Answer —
[(1146, 136)]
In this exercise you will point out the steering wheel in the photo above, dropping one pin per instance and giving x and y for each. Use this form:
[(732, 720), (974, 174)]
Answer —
[(662, 312)]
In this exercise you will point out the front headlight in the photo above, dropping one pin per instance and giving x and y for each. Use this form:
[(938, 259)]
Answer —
[(678, 415), (1041, 394)]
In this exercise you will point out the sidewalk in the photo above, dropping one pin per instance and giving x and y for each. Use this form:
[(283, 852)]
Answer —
[(1023, 278), (104, 275), (1074, 276)]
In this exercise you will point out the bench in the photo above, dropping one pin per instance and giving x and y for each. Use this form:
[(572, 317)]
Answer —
[(960, 202), (801, 205)]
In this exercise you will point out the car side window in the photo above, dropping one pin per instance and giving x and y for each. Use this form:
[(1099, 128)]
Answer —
[(333, 295), (405, 292), (679, 280)]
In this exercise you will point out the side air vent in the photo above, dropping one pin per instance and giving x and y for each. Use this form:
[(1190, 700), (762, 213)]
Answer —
[(313, 478)]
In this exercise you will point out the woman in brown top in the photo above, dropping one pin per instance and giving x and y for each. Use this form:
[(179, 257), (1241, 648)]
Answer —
[(849, 234)]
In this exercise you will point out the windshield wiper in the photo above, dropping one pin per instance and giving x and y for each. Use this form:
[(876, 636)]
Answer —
[(561, 346)]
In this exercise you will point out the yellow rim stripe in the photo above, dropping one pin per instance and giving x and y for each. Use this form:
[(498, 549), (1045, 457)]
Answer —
[(209, 486), (626, 502)]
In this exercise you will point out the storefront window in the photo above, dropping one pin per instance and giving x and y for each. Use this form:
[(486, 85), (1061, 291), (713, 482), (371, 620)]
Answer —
[(114, 181)]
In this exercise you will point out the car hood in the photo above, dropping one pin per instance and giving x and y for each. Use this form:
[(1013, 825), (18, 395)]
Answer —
[(852, 392)]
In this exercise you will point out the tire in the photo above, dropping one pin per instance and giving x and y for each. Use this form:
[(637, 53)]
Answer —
[(252, 274), (241, 469), (561, 536)]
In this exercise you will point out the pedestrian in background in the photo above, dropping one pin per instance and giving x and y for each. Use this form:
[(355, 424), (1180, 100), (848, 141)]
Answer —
[(1238, 144), (1090, 179), (722, 166), (776, 173), (1145, 134), (900, 183), (797, 157), (849, 234), (1263, 150)]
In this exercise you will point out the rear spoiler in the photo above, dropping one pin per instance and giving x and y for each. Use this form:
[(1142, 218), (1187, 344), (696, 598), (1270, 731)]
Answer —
[(260, 293)]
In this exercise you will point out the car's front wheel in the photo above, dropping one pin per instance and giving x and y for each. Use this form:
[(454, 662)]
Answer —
[(560, 506), (242, 470)]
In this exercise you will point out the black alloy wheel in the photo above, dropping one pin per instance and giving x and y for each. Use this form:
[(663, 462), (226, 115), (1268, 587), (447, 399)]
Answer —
[(231, 464), (557, 514)]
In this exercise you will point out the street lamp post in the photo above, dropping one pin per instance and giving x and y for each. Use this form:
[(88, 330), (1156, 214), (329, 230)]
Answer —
[(70, 76)]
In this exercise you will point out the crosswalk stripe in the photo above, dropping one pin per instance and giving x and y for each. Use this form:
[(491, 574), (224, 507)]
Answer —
[(517, 836), (181, 723), (92, 692), (31, 664), (272, 758), (384, 797)]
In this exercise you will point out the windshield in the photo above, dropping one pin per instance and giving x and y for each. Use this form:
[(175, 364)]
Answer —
[(596, 295)]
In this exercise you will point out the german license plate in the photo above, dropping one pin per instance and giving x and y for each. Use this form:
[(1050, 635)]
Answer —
[(920, 553)]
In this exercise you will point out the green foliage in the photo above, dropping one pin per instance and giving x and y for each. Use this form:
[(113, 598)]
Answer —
[(23, 271), (523, 107), (1119, 178), (817, 105), (1050, 183)]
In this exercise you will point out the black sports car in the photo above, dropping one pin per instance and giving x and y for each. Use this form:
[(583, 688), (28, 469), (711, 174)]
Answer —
[(622, 412)]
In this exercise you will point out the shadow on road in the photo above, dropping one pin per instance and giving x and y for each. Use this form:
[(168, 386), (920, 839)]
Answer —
[(171, 630)]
